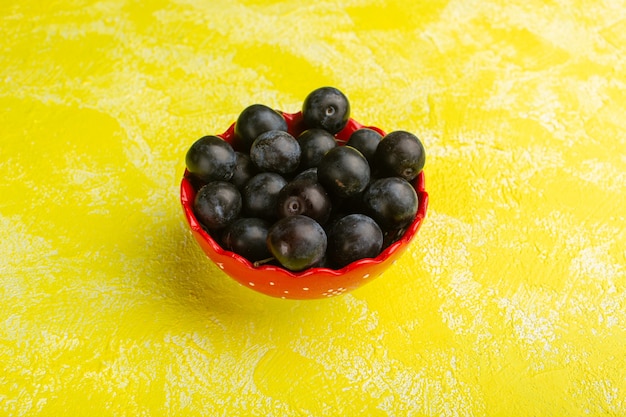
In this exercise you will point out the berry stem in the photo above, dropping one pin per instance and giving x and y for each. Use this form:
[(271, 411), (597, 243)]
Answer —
[(258, 263)]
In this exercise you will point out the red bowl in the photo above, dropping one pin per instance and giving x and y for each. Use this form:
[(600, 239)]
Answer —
[(314, 282)]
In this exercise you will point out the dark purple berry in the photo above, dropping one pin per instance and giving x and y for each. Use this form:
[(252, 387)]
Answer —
[(314, 143), (326, 108), (244, 170), (400, 154), (391, 201), (248, 238), (297, 242), (354, 237), (365, 141), (211, 158), (260, 195), (304, 197), (344, 171), (308, 175), (276, 151), (254, 120), (217, 204)]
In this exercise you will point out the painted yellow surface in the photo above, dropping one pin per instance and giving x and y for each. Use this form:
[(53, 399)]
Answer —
[(511, 301)]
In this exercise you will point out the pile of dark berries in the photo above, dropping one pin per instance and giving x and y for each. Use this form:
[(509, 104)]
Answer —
[(305, 201)]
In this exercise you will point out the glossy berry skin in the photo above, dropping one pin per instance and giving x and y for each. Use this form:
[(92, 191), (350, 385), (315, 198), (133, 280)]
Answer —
[(343, 171), (248, 238), (244, 170), (354, 237), (401, 154), (297, 242), (391, 201), (276, 151), (365, 141), (217, 204), (260, 195), (210, 158), (308, 175), (254, 120), (302, 196), (326, 108), (314, 143)]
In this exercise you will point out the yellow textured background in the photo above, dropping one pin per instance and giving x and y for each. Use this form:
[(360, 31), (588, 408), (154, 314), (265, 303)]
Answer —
[(511, 301)]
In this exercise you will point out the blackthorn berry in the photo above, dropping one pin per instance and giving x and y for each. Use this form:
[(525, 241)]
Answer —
[(254, 120), (326, 108), (217, 204), (211, 158)]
